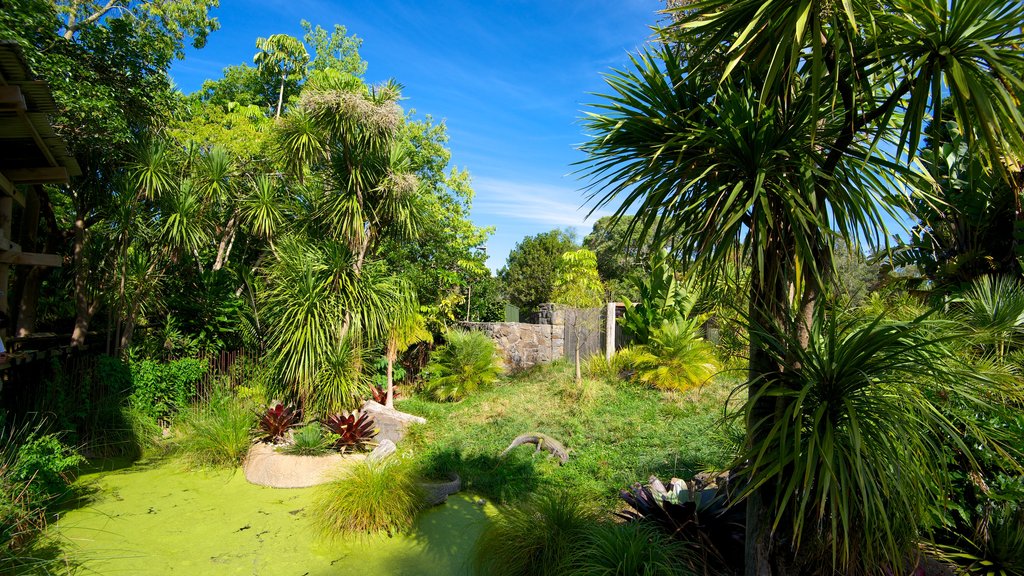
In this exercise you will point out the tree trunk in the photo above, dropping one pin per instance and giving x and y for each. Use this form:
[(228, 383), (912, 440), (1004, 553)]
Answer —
[(767, 312), (280, 99), (226, 243), (390, 402), (83, 308)]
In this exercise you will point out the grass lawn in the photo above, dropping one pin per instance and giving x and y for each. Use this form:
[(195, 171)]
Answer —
[(617, 433)]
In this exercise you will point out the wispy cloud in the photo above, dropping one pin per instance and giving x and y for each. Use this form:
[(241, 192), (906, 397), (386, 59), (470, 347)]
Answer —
[(556, 206)]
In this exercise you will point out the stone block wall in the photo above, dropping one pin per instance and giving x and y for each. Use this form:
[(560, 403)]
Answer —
[(523, 345)]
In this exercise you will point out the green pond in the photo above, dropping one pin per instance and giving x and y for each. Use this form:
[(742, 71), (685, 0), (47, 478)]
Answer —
[(155, 518)]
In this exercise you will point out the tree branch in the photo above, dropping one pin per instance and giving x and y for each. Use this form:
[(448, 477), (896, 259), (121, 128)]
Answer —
[(74, 26)]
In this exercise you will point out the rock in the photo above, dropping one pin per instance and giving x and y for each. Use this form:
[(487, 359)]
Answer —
[(435, 493), (383, 450), (390, 423), (267, 467)]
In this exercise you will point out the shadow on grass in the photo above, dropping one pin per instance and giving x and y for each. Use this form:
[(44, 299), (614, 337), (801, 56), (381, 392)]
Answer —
[(497, 479)]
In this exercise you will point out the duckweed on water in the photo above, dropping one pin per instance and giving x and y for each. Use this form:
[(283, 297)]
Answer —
[(154, 518)]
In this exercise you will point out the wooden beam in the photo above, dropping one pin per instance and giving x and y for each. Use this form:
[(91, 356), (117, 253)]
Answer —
[(31, 259), (11, 98), (7, 189), (55, 175), (8, 246)]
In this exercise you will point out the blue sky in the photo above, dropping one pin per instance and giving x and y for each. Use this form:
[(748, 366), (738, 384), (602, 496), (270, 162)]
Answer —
[(509, 78)]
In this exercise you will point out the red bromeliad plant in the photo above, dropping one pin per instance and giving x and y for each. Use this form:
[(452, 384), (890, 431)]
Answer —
[(353, 429), (380, 393), (276, 421)]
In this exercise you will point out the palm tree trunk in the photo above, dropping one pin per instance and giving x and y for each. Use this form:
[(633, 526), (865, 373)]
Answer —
[(768, 318), (226, 242)]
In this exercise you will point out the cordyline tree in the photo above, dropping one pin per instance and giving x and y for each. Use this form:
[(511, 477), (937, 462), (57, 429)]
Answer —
[(787, 125)]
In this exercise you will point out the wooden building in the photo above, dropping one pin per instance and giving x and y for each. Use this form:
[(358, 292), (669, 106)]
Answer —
[(31, 154)]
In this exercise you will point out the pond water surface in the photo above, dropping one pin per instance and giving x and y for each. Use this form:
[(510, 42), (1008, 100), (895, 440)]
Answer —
[(156, 518)]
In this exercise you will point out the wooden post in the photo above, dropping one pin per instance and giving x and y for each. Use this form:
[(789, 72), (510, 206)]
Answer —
[(6, 208), (609, 331)]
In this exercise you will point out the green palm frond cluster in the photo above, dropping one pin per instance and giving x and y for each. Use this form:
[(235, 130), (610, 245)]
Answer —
[(466, 362), (674, 358), (992, 311), (857, 455)]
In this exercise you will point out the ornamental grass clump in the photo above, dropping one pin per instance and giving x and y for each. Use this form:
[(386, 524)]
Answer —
[(538, 537), (467, 362), (374, 497), (217, 432), (629, 548)]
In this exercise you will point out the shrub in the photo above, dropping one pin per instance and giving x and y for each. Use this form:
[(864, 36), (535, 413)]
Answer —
[(159, 389), (675, 357), (308, 440), (629, 549), (375, 497), (353, 430), (466, 362), (710, 525), (35, 470), (539, 536), (46, 466), (1001, 553), (216, 432)]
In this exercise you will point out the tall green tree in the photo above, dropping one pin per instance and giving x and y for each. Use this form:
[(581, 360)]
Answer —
[(106, 64), (579, 287), (618, 253), (529, 273), (282, 59), (761, 122)]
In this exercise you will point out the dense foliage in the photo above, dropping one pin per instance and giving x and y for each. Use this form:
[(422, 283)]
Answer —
[(530, 271), (776, 128), (465, 363)]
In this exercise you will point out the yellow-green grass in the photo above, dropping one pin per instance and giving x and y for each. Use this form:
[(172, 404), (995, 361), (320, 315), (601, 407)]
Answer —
[(617, 433)]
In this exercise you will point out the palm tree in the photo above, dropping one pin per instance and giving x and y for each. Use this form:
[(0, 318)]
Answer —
[(353, 178), (760, 122), (281, 57), (317, 310)]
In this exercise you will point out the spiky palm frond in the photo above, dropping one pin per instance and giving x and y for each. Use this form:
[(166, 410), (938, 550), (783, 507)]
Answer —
[(674, 358), (185, 225), (151, 170), (465, 363), (857, 454), (992, 309), (263, 206), (214, 174)]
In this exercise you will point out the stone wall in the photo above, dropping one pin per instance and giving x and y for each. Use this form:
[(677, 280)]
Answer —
[(523, 345)]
